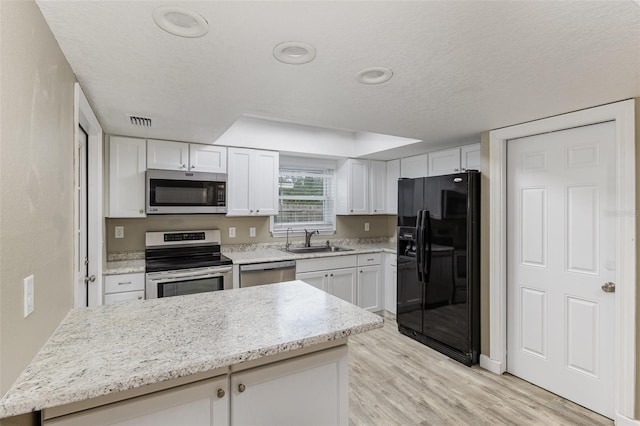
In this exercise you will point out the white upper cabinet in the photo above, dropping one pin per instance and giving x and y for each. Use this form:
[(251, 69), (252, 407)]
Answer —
[(393, 174), (444, 162), (252, 185), (265, 174), (127, 166), (414, 167), (470, 157), (378, 187), (352, 187), (169, 155), (454, 160), (207, 158)]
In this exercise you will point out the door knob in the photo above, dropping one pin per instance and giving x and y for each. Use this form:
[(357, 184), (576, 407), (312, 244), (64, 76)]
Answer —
[(609, 287), (90, 279)]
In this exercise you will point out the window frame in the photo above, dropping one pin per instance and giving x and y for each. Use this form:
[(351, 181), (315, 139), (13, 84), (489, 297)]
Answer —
[(299, 165)]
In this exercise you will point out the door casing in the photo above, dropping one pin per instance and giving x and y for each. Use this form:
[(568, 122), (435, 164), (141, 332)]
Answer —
[(623, 113), (84, 116)]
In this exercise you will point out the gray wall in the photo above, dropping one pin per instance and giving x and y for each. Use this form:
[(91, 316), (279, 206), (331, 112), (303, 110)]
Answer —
[(134, 229), (36, 184)]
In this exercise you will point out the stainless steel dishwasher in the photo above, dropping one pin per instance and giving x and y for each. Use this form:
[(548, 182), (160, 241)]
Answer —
[(267, 273)]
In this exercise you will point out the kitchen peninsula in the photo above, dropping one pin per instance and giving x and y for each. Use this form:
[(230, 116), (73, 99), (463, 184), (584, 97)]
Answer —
[(209, 356)]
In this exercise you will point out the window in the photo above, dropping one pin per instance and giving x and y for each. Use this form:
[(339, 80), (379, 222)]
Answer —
[(306, 200)]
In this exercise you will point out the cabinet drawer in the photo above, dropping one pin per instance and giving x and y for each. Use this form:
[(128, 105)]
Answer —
[(123, 282), (326, 263), (110, 299), (369, 259)]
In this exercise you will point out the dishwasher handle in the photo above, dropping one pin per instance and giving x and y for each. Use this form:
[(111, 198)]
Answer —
[(258, 267)]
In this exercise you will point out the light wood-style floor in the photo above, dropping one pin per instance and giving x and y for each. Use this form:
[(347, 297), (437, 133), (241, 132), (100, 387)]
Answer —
[(394, 380)]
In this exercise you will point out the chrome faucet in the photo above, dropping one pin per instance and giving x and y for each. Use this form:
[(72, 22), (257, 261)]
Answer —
[(288, 243), (308, 235)]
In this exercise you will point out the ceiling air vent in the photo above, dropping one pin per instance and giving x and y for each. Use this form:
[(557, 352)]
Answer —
[(139, 121)]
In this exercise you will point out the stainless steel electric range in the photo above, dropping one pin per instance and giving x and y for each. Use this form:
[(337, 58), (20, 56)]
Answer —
[(185, 262)]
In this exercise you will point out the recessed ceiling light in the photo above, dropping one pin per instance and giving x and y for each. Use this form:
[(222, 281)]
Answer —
[(294, 52), (180, 21), (374, 75)]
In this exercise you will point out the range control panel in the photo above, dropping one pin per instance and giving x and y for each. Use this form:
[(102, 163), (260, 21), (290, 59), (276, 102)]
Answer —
[(184, 236)]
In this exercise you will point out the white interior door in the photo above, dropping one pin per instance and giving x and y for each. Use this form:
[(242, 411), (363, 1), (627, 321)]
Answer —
[(561, 250), (82, 250)]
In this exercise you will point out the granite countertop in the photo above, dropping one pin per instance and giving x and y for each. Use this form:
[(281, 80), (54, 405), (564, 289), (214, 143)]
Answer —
[(245, 255), (133, 262), (106, 349), (126, 262)]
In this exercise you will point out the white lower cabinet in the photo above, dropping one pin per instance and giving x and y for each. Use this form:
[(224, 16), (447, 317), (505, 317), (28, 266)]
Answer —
[(123, 288), (390, 283), (127, 296), (307, 390), (335, 275), (358, 279), (370, 281), (369, 288), (342, 284), (311, 389), (318, 279), (204, 403)]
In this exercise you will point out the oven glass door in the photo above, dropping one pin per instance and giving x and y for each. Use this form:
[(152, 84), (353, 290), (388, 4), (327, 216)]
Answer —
[(179, 288), (191, 193)]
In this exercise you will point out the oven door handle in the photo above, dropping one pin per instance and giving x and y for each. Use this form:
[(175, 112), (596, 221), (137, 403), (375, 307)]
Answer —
[(197, 276)]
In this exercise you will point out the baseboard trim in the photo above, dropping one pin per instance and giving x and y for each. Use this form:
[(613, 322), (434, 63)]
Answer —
[(625, 421), (491, 365)]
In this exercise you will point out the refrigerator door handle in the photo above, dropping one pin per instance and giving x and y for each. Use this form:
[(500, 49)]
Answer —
[(426, 258), (419, 246)]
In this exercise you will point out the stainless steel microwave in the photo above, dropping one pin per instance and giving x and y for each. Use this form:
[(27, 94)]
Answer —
[(178, 192)]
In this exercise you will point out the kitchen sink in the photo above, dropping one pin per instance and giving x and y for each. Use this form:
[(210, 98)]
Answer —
[(317, 249)]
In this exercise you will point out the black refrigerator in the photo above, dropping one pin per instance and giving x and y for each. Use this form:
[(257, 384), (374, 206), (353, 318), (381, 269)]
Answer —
[(439, 263)]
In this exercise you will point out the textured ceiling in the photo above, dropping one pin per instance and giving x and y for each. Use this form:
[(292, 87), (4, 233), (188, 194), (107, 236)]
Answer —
[(460, 67)]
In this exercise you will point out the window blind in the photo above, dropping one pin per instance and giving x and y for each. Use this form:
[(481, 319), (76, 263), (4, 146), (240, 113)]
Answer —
[(306, 199)]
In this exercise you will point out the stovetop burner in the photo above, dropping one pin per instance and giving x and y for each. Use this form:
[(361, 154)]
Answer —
[(167, 251)]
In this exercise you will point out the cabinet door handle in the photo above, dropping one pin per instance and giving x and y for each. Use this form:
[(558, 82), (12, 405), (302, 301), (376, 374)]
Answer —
[(139, 297), (360, 270), (241, 387), (326, 275), (141, 211), (258, 211), (331, 274), (250, 211), (184, 166), (125, 283), (220, 393), (456, 170), (193, 167)]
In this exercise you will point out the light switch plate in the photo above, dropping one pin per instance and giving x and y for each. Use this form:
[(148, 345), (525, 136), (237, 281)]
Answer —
[(119, 231), (29, 296), (252, 231), (366, 226), (232, 232)]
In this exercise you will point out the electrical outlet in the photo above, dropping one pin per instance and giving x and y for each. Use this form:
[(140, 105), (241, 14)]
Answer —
[(366, 226), (232, 232), (29, 296), (252, 231), (119, 231)]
